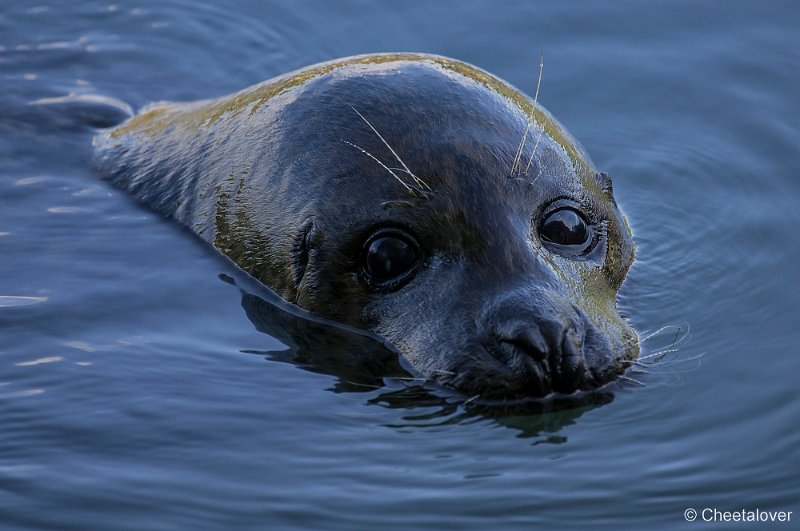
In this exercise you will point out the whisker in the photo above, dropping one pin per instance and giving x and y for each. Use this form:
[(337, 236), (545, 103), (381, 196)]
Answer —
[(471, 399), (675, 360), (633, 380), (667, 327), (660, 353), (533, 153), (651, 335), (417, 180), (675, 339), (686, 370), (539, 132), (384, 166), (515, 167), (401, 170), (519, 150)]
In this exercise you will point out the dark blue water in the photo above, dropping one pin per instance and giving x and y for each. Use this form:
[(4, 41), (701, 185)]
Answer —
[(134, 390)]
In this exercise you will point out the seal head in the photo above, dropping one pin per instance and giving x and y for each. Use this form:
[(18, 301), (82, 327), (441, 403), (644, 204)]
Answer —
[(394, 193)]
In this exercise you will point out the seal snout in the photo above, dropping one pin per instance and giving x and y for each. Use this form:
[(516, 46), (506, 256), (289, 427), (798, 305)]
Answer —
[(542, 347), (528, 339), (548, 362)]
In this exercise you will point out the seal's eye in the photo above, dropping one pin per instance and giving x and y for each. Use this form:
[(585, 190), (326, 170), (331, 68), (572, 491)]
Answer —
[(565, 226), (390, 259)]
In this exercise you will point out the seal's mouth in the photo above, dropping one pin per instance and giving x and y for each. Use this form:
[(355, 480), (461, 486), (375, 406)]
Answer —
[(563, 370), (499, 368)]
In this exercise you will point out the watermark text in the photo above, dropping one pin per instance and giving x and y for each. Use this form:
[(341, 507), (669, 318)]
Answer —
[(712, 514)]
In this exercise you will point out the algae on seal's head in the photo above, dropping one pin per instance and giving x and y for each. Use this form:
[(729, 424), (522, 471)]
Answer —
[(378, 191)]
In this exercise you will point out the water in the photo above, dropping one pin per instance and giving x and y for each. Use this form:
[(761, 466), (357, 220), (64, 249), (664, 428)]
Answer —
[(134, 391)]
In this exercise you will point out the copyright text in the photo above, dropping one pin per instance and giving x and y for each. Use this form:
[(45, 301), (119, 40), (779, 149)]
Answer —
[(712, 514)]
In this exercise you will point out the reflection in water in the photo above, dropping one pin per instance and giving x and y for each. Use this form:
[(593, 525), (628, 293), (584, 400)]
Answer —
[(363, 363), (358, 359), (541, 418)]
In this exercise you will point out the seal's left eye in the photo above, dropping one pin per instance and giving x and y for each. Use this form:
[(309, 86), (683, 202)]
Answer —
[(390, 258), (565, 226)]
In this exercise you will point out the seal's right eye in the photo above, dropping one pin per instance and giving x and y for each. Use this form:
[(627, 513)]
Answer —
[(565, 226), (390, 259)]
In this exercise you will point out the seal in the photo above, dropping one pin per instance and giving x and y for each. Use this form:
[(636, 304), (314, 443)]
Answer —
[(413, 196)]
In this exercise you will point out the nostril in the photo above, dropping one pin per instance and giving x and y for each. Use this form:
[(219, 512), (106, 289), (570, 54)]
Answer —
[(569, 373), (528, 339)]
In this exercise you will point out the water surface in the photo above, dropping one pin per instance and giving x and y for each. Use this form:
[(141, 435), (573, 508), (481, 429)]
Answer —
[(134, 390)]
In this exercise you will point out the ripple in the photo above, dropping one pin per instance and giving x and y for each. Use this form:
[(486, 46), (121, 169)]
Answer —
[(40, 361), (81, 345), (26, 181), (92, 191), (10, 300), (115, 109), (69, 210), (20, 394)]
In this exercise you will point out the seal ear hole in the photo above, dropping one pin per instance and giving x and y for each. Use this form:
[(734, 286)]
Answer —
[(390, 258), (604, 181), (606, 186)]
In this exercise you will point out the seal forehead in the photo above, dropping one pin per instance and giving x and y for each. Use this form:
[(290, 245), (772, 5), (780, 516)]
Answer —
[(406, 69), (391, 69), (426, 106)]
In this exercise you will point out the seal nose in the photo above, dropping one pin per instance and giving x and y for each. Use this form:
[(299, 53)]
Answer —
[(555, 351), (569, 367), (528, 339)]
